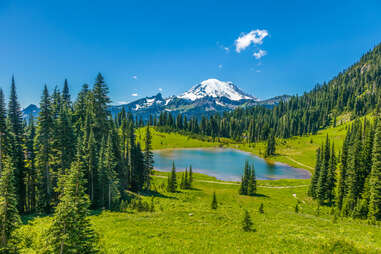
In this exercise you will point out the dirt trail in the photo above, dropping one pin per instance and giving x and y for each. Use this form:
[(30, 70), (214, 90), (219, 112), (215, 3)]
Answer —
[(297, 162)]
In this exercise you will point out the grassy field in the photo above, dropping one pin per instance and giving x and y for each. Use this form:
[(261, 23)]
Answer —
[(184, 222)]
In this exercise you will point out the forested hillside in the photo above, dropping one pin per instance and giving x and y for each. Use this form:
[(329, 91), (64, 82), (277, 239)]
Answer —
[(356, 91)]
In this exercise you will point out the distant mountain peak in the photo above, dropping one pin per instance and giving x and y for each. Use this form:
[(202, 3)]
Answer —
[(216, 88)]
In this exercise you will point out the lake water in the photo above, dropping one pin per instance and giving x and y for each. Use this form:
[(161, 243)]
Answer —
[(224, 164)]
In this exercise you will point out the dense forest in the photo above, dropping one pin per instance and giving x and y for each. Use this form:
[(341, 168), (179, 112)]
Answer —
[(351, 181), (72, 149), (356, 90)]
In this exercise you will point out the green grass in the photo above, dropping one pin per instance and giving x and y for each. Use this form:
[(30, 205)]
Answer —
[(183, 222)]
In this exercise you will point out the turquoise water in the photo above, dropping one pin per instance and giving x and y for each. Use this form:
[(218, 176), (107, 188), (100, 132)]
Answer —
[(224, 164)]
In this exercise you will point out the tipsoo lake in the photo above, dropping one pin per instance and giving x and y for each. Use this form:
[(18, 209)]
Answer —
[(224, 164)]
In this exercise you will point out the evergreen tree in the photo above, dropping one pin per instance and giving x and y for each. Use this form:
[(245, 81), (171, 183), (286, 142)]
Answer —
[(312, 191), (71, 230), (148, 159), (247, 224), (243, 190), (375, 178), (16, 144), (3, 129), (252, 184), (9, 216), (66, 101), (190, 178), (214, 201), (44, 134), (30, 166), (331, 177), (172, 181), (322, 187), (270, 148)]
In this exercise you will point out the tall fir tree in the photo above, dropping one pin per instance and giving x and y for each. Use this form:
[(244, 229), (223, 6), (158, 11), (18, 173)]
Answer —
[(71, 230), (3, 129), (43, 142), (9, 216), (312, 190), (172, 179), (16, 144), (148, 159), (375, 178)]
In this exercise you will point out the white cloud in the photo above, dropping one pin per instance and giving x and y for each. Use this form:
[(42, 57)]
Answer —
[(255, 37), (260, 53), (160, 89), (258, 70), (226, 49), (134, 94), (135, 77), (220, 66)]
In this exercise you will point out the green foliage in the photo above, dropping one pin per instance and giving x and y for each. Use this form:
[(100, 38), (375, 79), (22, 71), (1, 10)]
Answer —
[(71, 230), (247, 224), (248, 182), (9, 216), (214, 204), (172, 179)]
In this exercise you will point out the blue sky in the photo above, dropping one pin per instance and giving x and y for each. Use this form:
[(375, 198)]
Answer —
[(142, 47)]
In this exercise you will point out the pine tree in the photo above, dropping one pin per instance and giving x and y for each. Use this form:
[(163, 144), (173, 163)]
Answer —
[(30, 166), (312, 191), (190, 178), (331, 177), (71, 230), (16, 144), (322, 187), (247, 224), (375, 178), (3, 129), (148, 159), (214, 201), (252, 184), (44, 134), (172, 182), (270, 148), (66, 101), (9, 216), (243, 190)]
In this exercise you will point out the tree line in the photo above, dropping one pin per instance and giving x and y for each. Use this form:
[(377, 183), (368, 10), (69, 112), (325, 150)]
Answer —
[(351, 181), (73, 155)]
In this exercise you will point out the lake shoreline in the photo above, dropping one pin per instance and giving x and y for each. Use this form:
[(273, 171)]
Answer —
[(305, 172)]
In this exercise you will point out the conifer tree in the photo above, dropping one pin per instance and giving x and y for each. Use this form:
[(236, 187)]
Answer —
[(243, 190), (375, 178), (190, 178), (66, 101), (252, 184), (16, 144), (312, 191), (9, 216), (214, 201), (270, 148), (3, 129), (247, 224), (331, 177), (148, 159), (322, 187), (172, 181), (71, 230), (30, 166), (44, 134)]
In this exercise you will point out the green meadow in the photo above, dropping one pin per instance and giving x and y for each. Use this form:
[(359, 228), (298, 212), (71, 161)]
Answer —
[(184, 222)]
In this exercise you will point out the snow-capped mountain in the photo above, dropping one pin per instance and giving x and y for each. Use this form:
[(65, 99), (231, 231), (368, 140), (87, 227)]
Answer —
[(207, 98), (216, 88)]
